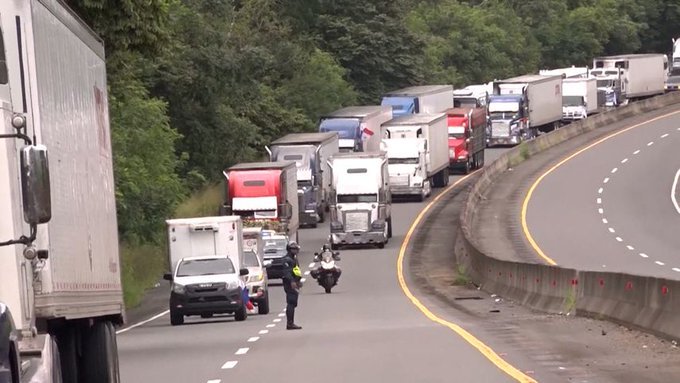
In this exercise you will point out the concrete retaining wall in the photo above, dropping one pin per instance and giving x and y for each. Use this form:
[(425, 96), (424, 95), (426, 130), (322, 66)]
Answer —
[(647, 303)]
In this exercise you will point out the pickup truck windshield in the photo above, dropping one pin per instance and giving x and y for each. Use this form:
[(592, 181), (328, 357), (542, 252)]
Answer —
[(357, 198), (195, 267)]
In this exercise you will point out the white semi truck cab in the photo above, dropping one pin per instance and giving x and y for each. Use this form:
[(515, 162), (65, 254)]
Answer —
[(407, 165)]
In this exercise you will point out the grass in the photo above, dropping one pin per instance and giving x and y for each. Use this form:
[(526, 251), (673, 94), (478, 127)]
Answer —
[(462, 279), (144, 264)]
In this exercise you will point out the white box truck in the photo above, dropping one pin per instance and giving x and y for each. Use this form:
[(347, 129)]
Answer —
[(522, 106), (203, 283), (630, 77), (472, 96), (579, 98), (419, 99), (358, 127), (361, 201), (310, 152), (568, 72), (60, 282), (417, 149)]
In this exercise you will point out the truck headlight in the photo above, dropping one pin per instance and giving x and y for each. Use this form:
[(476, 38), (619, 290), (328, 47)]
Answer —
[(310, 206), (336, 226), (232, 285), (417, 181), (514, 127), (178, 289), (378, 225), (255, 278)]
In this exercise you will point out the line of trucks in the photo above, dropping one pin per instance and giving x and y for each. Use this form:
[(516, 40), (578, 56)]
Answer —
[(61, 295)]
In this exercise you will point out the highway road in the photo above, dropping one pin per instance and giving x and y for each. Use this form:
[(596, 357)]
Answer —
[(366, 329), (614, 206)]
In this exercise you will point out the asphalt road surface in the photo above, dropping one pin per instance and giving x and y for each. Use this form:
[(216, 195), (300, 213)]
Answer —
[(367, 329), (614, 207)]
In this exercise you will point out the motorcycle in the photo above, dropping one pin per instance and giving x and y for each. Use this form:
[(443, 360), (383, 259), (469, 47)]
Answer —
[(327, 274)]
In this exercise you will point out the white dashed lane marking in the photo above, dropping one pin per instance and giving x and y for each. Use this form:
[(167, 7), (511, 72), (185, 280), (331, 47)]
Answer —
[(242, 351), (676, 270), (604, 220), (230, 364), (650, 143), (253, 339), (623, 161), (619, 239), (606, 180), (283, 314), (659, 263), (599, 201), (600, 210), (637, 151), (214, 381), (614, 170), (611, 230), (643, 255), (277, 320), (600, 190), (270, 325), (664, 135), (262, 332), (630, 247)]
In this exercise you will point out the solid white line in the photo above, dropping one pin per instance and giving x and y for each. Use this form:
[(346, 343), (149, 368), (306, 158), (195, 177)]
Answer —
[(623, 161), (676, 269), (674, 189), (600, 190), (643, 255), (630, 247), (153, 318), (650, 143), (614, 170), (242, 351), (229, 364), (262, 332), (605, 180), (664, 135), (659, 263), (277, 320), (270, 325), (253, 339), (619, 239), (599, 200), (637, 151), (214, 381), (604, 220), (611, 230), (600, 210)]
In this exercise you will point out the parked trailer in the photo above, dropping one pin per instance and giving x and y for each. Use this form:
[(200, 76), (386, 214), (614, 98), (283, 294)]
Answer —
[(522, 106), (59, 261), (310, 152), (358, 127), (427, 99)]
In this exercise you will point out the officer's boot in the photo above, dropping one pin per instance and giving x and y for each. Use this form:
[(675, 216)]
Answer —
[(290, 316)]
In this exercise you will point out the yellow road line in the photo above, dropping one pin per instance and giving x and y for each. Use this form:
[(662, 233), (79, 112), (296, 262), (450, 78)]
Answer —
[(525, 204), (471, 339)]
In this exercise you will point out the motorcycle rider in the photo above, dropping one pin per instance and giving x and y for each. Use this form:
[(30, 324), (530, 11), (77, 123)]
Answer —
[(291, 283), (327, 248)]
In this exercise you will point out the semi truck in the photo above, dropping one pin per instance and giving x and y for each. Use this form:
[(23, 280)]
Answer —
[(631, 77), (361, 200), (522, 106), (472, 96), (579, 98), (417, 153), (427, 99), (60, 288), (358, 127), (310, 152), (467, 137), (203, 283), (568, 72), (263, 194)]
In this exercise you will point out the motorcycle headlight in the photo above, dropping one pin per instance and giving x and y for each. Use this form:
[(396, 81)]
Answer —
[(267, 262), (178, 289)]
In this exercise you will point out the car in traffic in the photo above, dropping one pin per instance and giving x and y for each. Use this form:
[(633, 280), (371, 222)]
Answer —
[(672, 83), (205, 286), (274, 251), (257, 281)]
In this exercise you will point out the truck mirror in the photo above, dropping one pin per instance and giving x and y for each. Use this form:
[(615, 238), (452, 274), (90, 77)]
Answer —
[(167, 276), (35, 184), (243, 272)]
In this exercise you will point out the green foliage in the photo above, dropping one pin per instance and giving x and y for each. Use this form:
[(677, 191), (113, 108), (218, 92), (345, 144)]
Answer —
[(142, 266)]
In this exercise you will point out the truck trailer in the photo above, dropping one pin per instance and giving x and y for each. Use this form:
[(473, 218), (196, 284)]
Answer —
[(522, 106), (361, 201), (417, 152), (467, 137), (630, 77), (263, 194), (310, 152), (428, 99), (60, 288), (358, 127)]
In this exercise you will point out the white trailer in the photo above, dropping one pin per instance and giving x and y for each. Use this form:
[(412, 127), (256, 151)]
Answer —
[(361, 200), (630, 77), (59, 263), (417, 149), (426, 99), (579, 98), (472, 96), (521, 106), (358, 127), (569, 72)]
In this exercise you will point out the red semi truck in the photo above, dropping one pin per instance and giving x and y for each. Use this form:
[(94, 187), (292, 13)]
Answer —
[(467, 137), (264, 194)]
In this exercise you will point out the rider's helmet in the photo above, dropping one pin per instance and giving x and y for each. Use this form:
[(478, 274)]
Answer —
[(326, 247), (292, 245)]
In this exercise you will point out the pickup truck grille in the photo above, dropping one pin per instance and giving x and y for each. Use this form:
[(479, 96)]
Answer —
[(205, 287), (499, 129), (357, 220)]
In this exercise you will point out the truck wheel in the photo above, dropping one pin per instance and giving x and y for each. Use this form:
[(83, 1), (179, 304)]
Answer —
[(467, 167), (99, 363), (57, 369), (14, 364), (263, 305), (481, 159), (66, 340), (241, 314), (334, 246), (381, 245), (445, 177), (176, 319), (389, 227)]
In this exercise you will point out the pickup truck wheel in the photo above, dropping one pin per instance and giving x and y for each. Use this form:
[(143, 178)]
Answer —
[(99, 363), (176, 319), (263, 305), (241, 314)]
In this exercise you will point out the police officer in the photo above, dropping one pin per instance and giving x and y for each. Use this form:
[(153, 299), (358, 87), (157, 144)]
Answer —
[(291, 283)]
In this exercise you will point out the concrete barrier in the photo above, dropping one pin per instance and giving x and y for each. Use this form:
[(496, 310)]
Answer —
[(642, 302)]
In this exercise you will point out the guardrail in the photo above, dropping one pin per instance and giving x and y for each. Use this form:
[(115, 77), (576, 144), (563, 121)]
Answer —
[(647, 303)]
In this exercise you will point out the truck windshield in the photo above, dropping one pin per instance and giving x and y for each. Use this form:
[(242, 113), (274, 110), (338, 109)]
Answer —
[(400, 105), (257, 213), (403, 161), (347, 128), (250, 259), (465, 102), (456, 132), (357, 198), (213, 266), (605, 83), (495, 116), (572, 101)]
